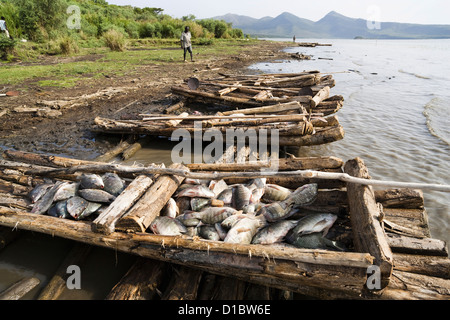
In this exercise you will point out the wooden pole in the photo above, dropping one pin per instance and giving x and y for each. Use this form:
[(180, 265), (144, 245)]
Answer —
[(19, 289)]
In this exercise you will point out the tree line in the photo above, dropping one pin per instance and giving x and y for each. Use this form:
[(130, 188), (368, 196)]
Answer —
[(46, 20)]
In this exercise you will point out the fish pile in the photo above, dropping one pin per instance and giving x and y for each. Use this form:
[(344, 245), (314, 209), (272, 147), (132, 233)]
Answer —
[(76, 200), (251, 213)]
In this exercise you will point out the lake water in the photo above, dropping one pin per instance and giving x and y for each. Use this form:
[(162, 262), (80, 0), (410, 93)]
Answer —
[(396, 113)]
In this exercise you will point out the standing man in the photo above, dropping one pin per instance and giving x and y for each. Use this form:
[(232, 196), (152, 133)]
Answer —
[(186, 42), (3, 27)]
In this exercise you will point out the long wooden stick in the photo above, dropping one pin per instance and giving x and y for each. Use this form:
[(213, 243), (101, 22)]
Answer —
[(250, 175)]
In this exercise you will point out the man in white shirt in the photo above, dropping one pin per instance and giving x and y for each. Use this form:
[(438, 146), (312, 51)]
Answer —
[(3, 27), (186, 42)]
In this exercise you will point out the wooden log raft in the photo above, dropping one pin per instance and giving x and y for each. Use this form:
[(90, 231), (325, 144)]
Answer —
[(365, 218), (267, 266)]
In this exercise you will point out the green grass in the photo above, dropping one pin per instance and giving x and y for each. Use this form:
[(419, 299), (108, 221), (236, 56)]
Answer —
[(138, 53)]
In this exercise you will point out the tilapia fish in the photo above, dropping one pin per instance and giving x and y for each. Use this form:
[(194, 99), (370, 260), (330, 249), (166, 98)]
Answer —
[(243, 231), (208, 232), (226, 196), (39, 191), (76, 205), (113, 183), (170, 209), (241, 196), (273, 192), (196, 191), (320, 222), (96, 195), (189, 219), (43, 204), (274, 233), (214, 215), (277, 211), (304, 195), (316, 241), (91, 181), (65, 191), (167, 226)]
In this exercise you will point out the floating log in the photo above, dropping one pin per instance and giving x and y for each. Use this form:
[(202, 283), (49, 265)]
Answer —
[(20, 289), (365, 219), (328, 135), (121, 147), (131, 150), (142, 281), (139, 217)]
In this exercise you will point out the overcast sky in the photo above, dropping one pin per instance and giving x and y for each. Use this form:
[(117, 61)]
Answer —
[(412, 11)]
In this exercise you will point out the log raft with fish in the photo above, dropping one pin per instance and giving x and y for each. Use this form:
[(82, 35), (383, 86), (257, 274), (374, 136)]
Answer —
[(299, 106), (336, 234)]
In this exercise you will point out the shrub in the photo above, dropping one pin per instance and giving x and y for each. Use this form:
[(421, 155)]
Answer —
[(114, 40), (68, 45), (6, 47)]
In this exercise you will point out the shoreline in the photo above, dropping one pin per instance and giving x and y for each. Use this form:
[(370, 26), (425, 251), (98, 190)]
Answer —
[(43, 119)]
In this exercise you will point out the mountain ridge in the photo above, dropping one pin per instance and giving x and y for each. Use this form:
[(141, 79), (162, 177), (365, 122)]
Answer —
[(333, 25)]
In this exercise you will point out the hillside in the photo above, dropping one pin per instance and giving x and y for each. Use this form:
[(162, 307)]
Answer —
[(333, 25)]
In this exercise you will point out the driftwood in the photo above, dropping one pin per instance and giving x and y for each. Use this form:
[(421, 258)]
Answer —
[(121, 147), (19, 289)]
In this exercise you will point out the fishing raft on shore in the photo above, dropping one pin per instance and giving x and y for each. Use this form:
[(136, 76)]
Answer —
[(299, 106), (375, 231)]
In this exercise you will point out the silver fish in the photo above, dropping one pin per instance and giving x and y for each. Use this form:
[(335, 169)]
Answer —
[(232, 220), (220, 231), (65, 191), (90, 209), (113, 183), (241, 197), (257, 194), (167, 226), (304, 195), (208, 232), (61, 209), (96, 195), (274, 192), (274, 233), (76, 205), (316, 241), (197, 191), (320, 222), (213, 215), (243, 231), (43, 204), (226, 196), (198, 204), (183, 204), (91, 181), (217, 186), (189, 219), (170, 209), (277, 211), (39, 191)]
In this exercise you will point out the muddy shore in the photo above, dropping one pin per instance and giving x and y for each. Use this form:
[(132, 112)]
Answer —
[(27, 124)]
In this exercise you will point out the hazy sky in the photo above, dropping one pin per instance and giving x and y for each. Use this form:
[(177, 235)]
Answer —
[(413, 11)]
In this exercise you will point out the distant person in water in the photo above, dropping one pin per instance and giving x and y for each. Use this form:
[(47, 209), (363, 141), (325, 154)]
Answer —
[(3, 27), (294, 38), (186, 43)]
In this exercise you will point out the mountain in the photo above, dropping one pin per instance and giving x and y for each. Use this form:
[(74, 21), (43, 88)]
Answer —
[(333, 25)]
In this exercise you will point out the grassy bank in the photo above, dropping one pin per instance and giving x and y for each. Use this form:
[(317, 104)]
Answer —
[(95, 60)]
